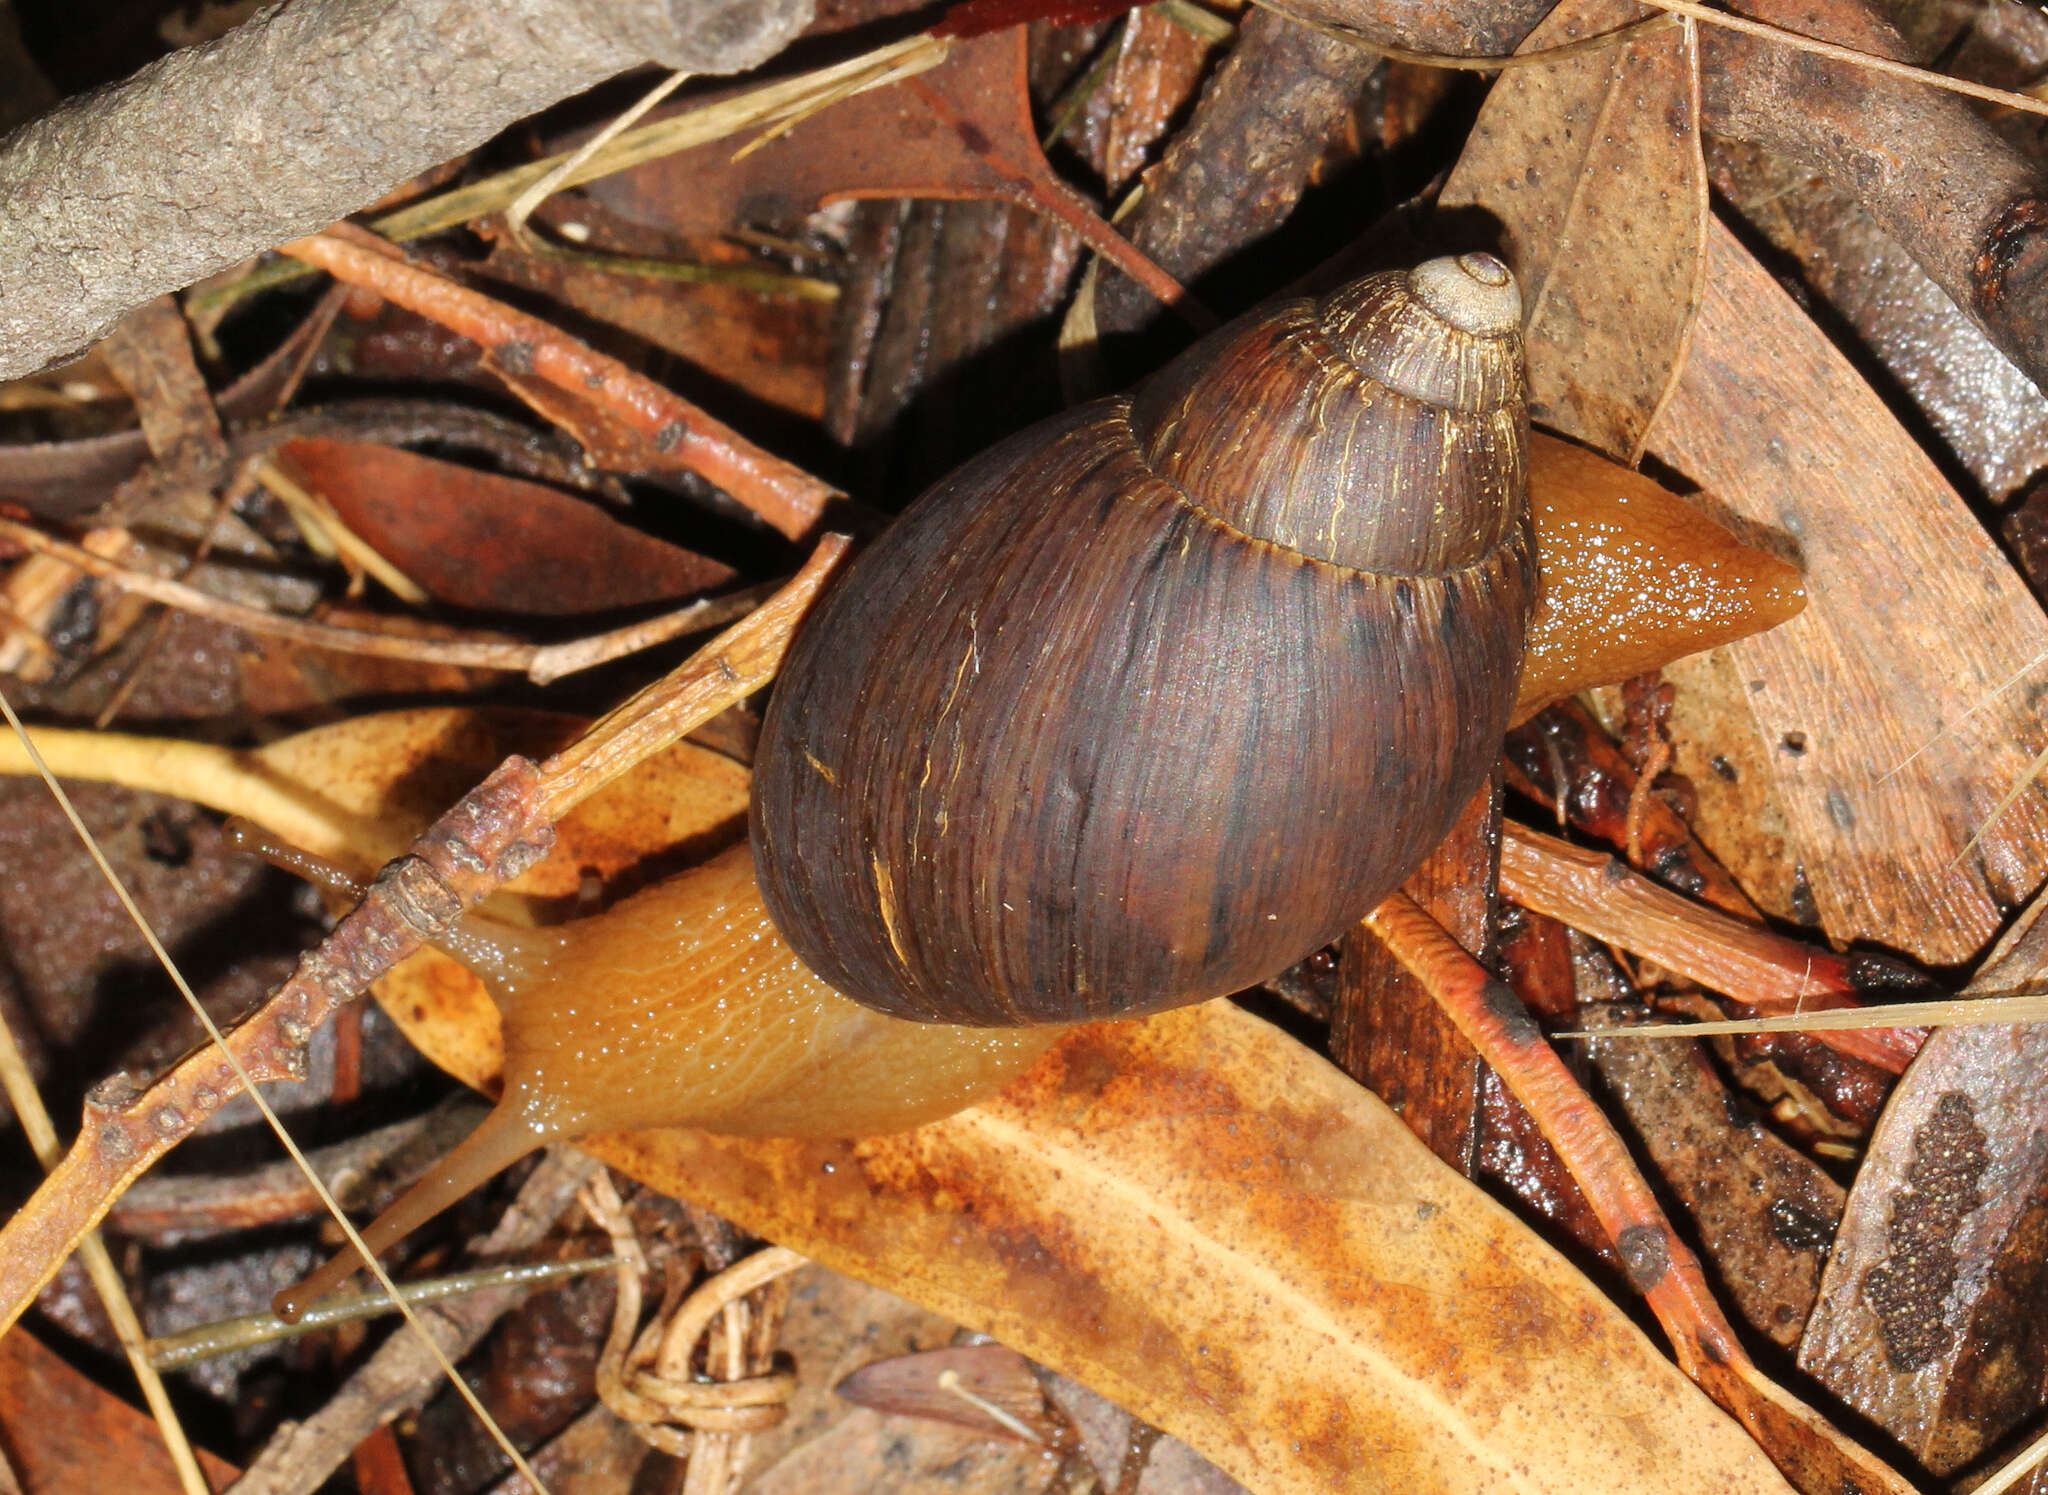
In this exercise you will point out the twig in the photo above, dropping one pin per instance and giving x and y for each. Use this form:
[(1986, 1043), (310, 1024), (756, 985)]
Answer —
[(161, 627), (2027, 1003), (1635, 31), (99, 1266), (495, 832), (166, 1209), (1564, 760), (1593, 892), (670, 434), (542, 663), (732, 668), (1659, 1265), (444, 869)]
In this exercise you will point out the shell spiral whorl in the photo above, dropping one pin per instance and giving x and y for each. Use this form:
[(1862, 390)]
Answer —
[(1149, 701), (1367, 429)]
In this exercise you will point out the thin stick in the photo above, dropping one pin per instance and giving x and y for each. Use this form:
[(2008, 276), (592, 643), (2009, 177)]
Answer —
[(225, 1336), (220, 1045), (99, 1266), (541, 663), (1592, 892), (666, 432), (490, 836), (741, 661), (1658, 1264), (553, 181), (1049, 195), (160, 629)]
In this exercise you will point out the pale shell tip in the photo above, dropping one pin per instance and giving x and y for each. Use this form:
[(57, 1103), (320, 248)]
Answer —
[(1475, 293)]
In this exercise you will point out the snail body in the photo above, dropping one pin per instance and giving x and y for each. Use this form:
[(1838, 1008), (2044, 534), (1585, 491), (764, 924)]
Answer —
[(1146, 703), (677, 1006)]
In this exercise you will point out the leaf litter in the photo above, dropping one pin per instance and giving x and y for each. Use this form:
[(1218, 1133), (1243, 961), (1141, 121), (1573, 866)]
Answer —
[(1901, 852)]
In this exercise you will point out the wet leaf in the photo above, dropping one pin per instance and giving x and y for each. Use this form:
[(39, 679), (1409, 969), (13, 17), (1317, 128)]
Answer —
[(1592, 165), (498, 544), (1881, 740), (63, 1435), (1930, 1309)]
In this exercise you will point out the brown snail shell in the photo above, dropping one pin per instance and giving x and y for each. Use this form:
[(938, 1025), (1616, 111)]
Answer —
[(1145, 703)]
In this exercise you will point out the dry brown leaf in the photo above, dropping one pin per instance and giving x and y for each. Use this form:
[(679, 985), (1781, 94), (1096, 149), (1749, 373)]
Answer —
[(1592, 165), (489, 541), (1929, 1311), (62, 1435), (1877, 713), (1220, 1231)]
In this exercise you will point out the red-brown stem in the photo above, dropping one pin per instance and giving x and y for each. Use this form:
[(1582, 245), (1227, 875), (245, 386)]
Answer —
[(1562, 759), (1594, 892), (1493, 1019), (494, 832), (672, 433), (1658, 1264)]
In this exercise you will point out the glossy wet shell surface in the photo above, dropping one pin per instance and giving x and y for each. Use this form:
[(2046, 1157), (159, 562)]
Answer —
[(1069, 743)]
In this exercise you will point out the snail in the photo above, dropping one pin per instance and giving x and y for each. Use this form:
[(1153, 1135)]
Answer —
[(1134, 710), (1146, 703)]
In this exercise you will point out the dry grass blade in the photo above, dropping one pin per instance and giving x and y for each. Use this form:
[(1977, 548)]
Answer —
[(223, 1337), (2024, 1006), (99, 1266), (522, 207)]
